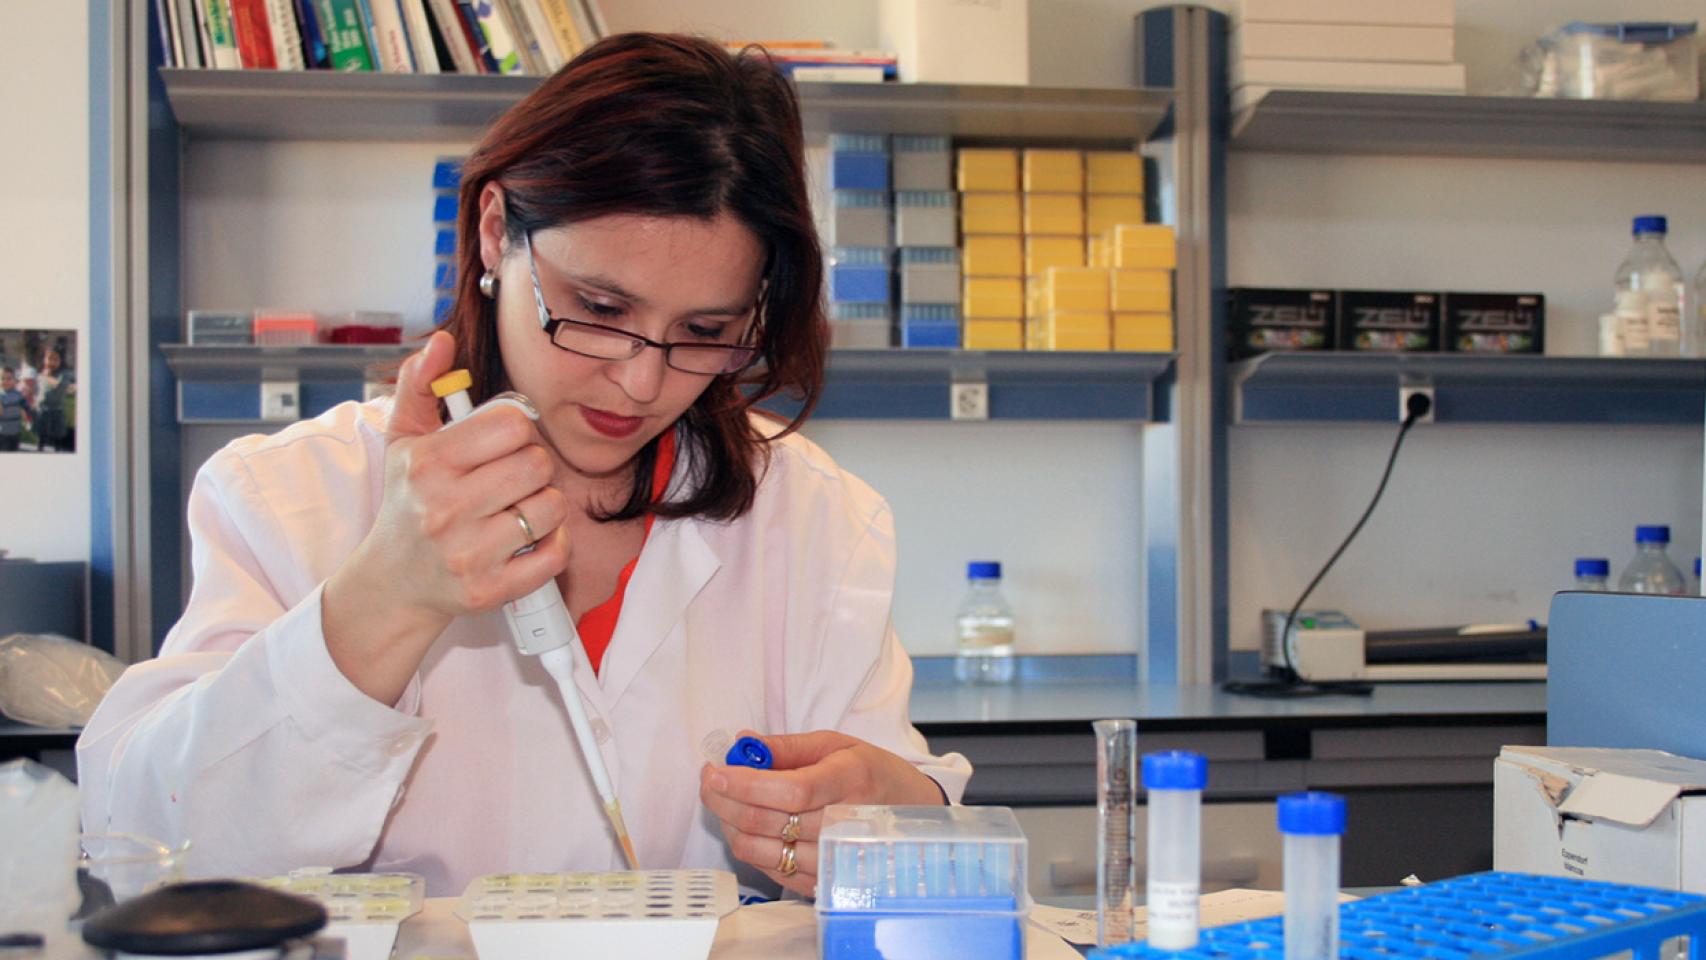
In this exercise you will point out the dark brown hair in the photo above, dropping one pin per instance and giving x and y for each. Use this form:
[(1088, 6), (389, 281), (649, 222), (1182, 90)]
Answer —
[(663, 125)]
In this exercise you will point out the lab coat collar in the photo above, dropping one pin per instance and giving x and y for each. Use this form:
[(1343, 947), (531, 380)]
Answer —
[(674, 566)]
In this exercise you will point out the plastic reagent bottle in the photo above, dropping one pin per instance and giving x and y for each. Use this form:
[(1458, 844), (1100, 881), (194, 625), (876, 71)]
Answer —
[(985, 628), (1312, 824), (1650, 271), (1175, 781), (1593, 574), (1694, 587), (1652, 570)]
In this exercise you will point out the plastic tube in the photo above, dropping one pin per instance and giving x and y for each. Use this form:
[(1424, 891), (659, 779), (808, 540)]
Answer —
[(1116, 797), (1175, 782), (1312, 824)]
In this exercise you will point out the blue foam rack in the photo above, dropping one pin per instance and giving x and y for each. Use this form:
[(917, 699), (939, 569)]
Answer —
[(1480, 915)]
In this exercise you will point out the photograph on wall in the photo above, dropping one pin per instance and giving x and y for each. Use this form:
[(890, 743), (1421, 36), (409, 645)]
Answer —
[(38, 391)]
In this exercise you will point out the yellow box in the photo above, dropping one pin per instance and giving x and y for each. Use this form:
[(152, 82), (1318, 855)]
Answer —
[(1113, 171), (981, 334), (1076, 288), (1104, 211), (993, 256), (1036, 297), (1141, 234), (989, 213), (1070, 330), (989, 169), (993, 298), (1057, 214), (1143, 332), (1139, 257), (1141, 291), (1053, 171), (1044, 252), (1096, 251)]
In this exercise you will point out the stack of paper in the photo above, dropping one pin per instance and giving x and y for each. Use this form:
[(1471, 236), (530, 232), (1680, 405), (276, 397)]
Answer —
[(1391, 46)]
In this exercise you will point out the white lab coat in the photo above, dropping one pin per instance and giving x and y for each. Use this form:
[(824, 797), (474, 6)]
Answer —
[(244, 738)]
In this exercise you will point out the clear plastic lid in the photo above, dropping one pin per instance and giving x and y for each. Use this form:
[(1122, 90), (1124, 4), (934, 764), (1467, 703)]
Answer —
[(924, 859)]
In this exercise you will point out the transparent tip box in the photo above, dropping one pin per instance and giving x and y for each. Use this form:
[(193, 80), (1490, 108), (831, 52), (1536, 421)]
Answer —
[(896, 883)]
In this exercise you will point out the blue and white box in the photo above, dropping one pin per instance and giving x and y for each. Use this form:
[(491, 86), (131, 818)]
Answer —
[(929, 275), (861, 219), (859, 275), (926, 218), (861, 326), (858, 161), (923, 163), (934, 325)]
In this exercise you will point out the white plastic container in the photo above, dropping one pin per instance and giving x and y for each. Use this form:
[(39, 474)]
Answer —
[(657, 914), (1175, 781), (1617, 61), (1312, 824), (952, 41)]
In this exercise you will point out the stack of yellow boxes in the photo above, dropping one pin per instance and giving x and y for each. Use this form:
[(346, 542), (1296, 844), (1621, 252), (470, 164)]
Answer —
[(992, 308), (1054, 241), (1138, 260)]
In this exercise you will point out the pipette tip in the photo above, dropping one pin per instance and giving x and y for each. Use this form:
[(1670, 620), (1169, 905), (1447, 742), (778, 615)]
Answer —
[(613, 810)]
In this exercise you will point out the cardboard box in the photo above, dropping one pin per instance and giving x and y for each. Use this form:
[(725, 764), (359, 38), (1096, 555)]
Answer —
[(1383, 320), (1495, 322), (1264, 319), (1622, 816), (951, 41), (1342, 41), (1348, 75), (1436, 13)]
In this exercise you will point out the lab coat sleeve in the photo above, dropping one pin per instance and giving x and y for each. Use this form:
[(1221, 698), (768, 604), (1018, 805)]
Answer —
[(243, 737), (863, 682)]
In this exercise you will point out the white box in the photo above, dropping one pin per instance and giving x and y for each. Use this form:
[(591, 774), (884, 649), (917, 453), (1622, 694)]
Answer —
[(1249, 95), (1342, 41), (1624, 816), (1348, 75), (955, 41), (1416, 13)]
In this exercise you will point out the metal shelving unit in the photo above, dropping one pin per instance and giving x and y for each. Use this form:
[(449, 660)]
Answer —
[(1311, 121), (327, 105), (1363, 388)]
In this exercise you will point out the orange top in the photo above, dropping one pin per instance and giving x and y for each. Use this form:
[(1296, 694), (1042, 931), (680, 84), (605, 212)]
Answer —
[(598, 625)]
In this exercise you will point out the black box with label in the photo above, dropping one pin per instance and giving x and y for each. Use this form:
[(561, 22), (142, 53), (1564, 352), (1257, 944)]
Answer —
[(1382, 320), (1495, 322), (1264, 319)]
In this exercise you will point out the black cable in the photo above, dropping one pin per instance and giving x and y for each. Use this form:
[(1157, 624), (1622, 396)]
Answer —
[(1289, 684)]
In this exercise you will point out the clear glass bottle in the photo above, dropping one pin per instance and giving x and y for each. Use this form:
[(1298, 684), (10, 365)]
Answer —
[(985, 628), (1593, 575), (1652, 570), (1650, 270)]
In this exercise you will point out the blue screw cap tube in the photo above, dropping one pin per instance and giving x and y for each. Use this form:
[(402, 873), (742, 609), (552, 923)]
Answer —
[(722, 747), (1312, 824), (1116, 799), (1175, 781)]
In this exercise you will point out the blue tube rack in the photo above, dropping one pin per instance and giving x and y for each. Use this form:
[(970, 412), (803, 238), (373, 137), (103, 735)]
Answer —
[(1481, 915)]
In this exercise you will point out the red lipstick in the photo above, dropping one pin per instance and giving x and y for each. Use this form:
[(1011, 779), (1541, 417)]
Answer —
[(609, 424)]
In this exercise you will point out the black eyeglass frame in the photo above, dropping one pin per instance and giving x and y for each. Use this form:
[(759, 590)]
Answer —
[(740, 356)]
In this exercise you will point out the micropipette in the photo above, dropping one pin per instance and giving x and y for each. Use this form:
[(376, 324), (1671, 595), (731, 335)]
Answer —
[(1175, 781), (540, 625), (1116, 795)]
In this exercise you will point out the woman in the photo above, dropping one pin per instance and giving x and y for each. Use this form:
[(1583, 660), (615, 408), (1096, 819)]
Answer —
[(342, 688)]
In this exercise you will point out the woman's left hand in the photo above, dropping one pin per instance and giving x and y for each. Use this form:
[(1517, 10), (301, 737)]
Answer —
[(761, 809)]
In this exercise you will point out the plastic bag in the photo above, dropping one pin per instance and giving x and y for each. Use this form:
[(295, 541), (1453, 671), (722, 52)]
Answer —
[(1613, 61), (53, 681)]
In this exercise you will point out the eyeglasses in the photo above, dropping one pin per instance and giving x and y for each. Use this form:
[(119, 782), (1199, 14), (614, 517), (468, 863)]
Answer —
[(600, 342)]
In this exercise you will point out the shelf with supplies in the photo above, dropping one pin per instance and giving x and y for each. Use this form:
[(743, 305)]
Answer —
[(219, 383), (1316, 121), (331, 105), (1308, 387)]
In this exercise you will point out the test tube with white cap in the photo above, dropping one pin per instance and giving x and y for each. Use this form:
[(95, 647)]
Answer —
[(1175, 781), (1312, 824)]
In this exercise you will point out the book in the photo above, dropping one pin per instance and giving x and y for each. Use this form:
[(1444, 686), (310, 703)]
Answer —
[(582, 21), (806, 73), (419, 29), (254, 36), (189, 34), (595, 16), (391, 37), (313, 38), (1348, 75), (476, 36), (286, 35), (455, 36), (563, 29), (346, 41), (499, 40), (221, 41), (535, 34), (166, 17)]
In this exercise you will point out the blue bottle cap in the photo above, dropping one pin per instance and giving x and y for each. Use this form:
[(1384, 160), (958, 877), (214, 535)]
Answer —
[(1650, 224), (1175, 770), (1595, 568), (1312, 814), (1653, 534), (1697, 566), (749, 752), (983, 570)]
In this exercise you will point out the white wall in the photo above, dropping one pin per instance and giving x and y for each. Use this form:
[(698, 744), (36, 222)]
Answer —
[(44, 256)]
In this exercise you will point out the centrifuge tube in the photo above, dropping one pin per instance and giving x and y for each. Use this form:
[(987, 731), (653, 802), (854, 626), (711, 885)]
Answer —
[(1312, 824), (1116, 796), (1174, 781)]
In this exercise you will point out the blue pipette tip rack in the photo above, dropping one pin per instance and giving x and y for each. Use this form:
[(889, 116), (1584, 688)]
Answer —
[(1483, 915), (749, 752)]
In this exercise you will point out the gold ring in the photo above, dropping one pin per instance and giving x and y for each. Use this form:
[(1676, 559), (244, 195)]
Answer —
[(788, 865), (791, 830), (526, 528)]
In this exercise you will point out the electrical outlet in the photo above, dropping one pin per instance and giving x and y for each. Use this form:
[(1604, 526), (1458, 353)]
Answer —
[(968, 401), (281, 400), (1404, 395)]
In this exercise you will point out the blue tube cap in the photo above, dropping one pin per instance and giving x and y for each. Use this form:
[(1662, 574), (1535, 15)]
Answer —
[(1312, 814), (1652, 534), (983, 570), (1650, 224), (1175, 770), (1587, 567), (749, 752)]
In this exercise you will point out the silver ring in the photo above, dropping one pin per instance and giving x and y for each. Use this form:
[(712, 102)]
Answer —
[(526, 528), (791, 830), (788, 865)]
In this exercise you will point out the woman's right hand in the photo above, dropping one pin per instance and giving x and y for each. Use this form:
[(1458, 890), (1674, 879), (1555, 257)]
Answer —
[(444, 542)]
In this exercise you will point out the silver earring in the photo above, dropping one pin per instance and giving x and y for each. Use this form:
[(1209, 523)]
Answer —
[(489, 285)]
